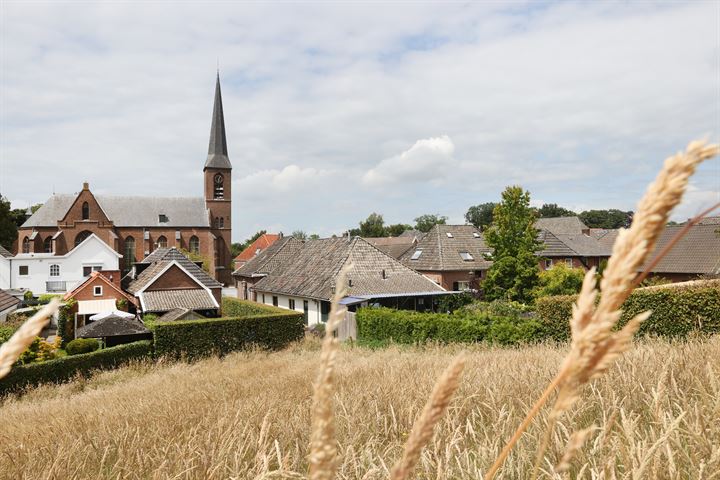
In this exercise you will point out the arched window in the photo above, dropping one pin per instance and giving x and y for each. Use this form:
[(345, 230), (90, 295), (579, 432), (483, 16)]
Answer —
[(81, 237), (217, 222), (222, 222), (162, 242), (26, 245), (85, 211), (54, 270), (219, 191), (48, 245), (129, 252), (194, 244)]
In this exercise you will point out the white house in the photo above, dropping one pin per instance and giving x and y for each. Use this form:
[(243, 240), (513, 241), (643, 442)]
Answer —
[(48, 273)]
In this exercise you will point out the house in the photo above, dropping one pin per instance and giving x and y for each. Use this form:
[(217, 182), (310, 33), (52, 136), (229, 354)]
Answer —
[(393, 246), (53, 273), (8, 304), (563, 225), (136, 226), (167, 279), (305, 281), (260, 244), (453, 256), (574, 250), (100, 292), (695, 255), (263, 264)]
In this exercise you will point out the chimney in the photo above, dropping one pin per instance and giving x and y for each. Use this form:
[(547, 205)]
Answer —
[(86, 186), (384, 275)]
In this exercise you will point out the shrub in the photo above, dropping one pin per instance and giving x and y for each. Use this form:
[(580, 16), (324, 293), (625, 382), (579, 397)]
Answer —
[(559, 280), (233, 307), (678, 309), (82, 345), (28, 295), (450, 303), (46, 297), (197, 338), (66, 324), (65, 368), (497, 308), (6, 332)]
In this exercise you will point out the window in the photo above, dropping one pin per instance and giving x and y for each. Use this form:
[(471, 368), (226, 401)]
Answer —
[(54, 270), (129, 252), (275, 300), (88, 269), (162, 242), (305, 311), (24, 270), (466, 256), (263, 298), (416, 255), (218, 191), (217, 222), (97, 290), (449, 235), (81, 237), (194, 244), (222, 222), (26, 245), (291, 304), (548, 263), (48, 245), (85, 211), (476, 235), (162, 218), (462, 286), (569, 262)]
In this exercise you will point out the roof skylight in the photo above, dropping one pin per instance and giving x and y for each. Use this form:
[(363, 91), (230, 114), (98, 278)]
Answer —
[(416, 255), (466, 256)]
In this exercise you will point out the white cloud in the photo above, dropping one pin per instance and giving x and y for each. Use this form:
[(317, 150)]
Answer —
[(428, 159), (291, 179)]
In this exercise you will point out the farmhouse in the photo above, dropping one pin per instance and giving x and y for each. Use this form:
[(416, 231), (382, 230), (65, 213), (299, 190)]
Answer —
[(263, 264), (136, 226), (254, 249)]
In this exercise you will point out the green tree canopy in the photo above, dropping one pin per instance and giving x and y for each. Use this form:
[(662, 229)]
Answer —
[(612, 218), (8, 225), (550, 210), (397, 229), (513, 239), (314, 236), (300, 235), (372, 226), (559, 280), (480, 215), (425, 222)]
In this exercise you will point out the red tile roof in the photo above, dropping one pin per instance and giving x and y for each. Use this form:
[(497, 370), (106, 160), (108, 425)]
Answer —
[(257, 246)]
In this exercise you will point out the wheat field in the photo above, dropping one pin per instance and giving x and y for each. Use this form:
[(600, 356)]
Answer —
[(656, 415)]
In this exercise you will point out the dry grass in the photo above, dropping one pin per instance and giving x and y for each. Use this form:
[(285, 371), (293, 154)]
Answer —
[(248, 416)]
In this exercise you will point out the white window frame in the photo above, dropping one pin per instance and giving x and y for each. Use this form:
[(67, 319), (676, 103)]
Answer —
[(463, 285), (466, 256), (97, 291), (56, 268)]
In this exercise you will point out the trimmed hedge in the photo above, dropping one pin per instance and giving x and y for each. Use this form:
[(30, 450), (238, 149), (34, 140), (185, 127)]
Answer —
[(65, 368), (403, 326), (198, 338), (233, 307), (82, 345), (677, 310)]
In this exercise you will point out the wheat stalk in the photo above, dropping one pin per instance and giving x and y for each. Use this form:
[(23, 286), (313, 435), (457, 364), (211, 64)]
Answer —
[(574, 445), (432, 413), (11, 350), (594, 346), (323, 446)]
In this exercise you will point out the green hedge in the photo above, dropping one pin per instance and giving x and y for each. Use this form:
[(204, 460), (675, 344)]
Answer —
[(402, 326), (677, 310), (197, 338), (82, 345), (65, 368), (233, 307)]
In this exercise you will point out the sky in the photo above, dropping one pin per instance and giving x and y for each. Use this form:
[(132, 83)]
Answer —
[(337, 110)]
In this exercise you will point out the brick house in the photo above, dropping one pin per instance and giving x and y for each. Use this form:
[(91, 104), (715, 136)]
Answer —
[(695, 255), (136, 226), (254, 249), (574, 250)]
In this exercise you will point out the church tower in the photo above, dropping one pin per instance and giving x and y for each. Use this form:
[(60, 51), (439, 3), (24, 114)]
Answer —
[(218, 190)]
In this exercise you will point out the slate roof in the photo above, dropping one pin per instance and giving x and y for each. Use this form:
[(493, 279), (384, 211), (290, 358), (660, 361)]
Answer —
[(111, 327), (179, 314), (260, 243), (127, 211), (442, 253), (5, 253), (7, 301), (217, 151), (270, 258), (312, 271), (162, 256), (393, 246), (166, 300), (561, 225), (698, 251)]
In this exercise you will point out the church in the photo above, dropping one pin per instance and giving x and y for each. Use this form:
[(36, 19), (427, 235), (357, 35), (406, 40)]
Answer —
[(135, 226)]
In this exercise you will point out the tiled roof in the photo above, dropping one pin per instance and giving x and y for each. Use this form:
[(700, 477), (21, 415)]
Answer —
[(126, 211), (441, 252), (393, 246), (105, 280), (5, 253), (417, 234), (605, 237), (260, 244), (168, 255), (166, 300), (270, 258), (312, 272), (179, 314), (111, 327), (709, 221), (698, 251), (553, 246), (7, 301), (561, 225)]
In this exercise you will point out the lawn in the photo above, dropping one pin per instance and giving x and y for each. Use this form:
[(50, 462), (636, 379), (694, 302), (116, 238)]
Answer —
[(247, 416)]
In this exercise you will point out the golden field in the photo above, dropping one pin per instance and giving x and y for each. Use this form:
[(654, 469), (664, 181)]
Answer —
[(657, 414)]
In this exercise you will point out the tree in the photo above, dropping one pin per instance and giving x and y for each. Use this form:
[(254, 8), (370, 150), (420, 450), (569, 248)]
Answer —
[(314, 236), (612, 218), (250, 240), (8, 227), (373, 226), (480, 215), (550, 210), (235, 249), (425, 222), (559, 280), (300, 235), (514, 241), (397, 229)]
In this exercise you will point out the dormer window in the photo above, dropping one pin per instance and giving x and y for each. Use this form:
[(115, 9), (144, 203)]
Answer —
[(85, 211), (219, 191), (162, 218), (466, 256), (416, 255)]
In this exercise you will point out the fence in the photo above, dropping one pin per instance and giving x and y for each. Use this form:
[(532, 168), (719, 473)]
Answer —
[(347, 329)]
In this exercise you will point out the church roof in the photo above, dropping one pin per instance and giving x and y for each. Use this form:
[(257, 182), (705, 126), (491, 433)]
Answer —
[(127, 211), (217, 151)]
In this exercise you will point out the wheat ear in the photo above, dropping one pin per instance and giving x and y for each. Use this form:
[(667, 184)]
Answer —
[(574, 445), (434, 410), (323, 446), (11, 350), (594, 346)]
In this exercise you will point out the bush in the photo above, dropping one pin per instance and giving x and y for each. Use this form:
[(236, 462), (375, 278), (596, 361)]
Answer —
[(197, 338), (450, 303), (378, 325), (677, 310), (66, 324), (82, 345), (46, 297), (233, 307), (497, 308), (28, 296), (559, 280), (6, 332), (65, 368)]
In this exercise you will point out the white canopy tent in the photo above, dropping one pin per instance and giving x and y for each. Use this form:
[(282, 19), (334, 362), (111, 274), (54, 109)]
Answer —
[(114, 313)]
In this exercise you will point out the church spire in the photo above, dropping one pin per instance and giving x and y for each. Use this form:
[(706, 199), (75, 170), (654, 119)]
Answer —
[(217, 151)]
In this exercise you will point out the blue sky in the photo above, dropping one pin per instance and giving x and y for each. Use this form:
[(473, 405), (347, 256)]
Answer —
[(337, 110)]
